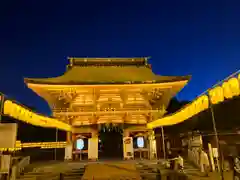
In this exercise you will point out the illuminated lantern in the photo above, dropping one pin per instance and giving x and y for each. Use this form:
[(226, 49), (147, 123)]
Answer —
[(22, 114), (205, 102), (175, 118), (198, 105), (149, 126), (80, 144), (239, 80), (188, 110), (7, 107), (185, 114), (191, 110), (29, 114), (140, 142), (182, 114), (234, 86), (16, 111), (216, 95), (227, 90), (168, 120), (12, 109)]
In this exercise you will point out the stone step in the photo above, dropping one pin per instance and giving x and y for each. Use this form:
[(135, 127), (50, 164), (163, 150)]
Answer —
[(38, 178)]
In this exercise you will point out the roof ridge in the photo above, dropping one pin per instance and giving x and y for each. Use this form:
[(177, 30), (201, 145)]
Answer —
[(108, 61)]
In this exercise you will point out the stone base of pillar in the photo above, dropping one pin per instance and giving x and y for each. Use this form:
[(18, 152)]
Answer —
[(93, 148), (68, 152), (132, 158), (152, 146), (128, 152), (68, 160), (93, 159)]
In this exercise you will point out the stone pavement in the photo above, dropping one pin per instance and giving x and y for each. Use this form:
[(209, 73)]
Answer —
[(111, 170), (212, 176), (52, 170), (142, 169), (147, 170), (194, 173)]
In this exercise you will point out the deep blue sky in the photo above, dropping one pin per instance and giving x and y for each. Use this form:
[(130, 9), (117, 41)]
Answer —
[(201, 38)]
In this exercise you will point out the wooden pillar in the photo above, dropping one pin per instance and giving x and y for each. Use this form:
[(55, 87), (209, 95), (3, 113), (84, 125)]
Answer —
[(152, 145), (211, 156), (126, 133), (94, 133), (128, 152), (93, 145), (69, 147), (69, 137)]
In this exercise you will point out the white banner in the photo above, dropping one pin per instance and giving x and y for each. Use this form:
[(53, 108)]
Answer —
[(215, 152), (68, 152), (8, 135), (93, 148), (5, 163), (128, 148)]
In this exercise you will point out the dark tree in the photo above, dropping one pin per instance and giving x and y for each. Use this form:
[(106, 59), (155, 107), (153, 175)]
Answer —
[(175, 105)]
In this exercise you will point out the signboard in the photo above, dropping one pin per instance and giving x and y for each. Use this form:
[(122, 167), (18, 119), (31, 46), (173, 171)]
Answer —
[(215, 152), (8, 135), (196, 141), (128, 148), (5, 161), (127, 141), (93, 148)]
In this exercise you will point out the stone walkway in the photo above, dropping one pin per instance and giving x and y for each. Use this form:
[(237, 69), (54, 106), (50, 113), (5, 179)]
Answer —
[(52, 170), (194, 173), (144, 169), (111, 170)]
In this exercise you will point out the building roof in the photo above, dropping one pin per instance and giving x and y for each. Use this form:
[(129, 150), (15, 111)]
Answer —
[(107, 71)]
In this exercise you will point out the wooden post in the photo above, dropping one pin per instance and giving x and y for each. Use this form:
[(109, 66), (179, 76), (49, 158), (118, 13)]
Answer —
[(163, 143), (1, 106), (217, 141), (211, 156), (55, 150)]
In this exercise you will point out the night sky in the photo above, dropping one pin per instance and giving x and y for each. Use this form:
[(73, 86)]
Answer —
[(200, 38)]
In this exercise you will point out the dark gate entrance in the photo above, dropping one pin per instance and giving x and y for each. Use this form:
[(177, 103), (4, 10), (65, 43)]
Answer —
[(110, 144)]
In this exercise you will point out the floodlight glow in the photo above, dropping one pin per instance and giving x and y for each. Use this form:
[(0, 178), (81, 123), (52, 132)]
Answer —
[(80, 144), (140, 142)]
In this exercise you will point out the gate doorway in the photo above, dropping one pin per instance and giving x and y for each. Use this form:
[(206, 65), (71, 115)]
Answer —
[(110, 144)]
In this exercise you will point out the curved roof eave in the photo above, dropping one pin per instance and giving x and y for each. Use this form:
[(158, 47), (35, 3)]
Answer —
[(52, 81)]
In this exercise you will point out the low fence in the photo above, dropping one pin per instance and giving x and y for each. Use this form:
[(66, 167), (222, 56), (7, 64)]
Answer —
[(18, 167), (38, 155), (194, 156)]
